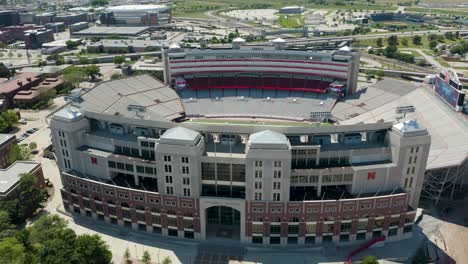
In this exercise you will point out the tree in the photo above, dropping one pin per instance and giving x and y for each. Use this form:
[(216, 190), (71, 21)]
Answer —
[(115, 76), (33, 146), (390, 51), (72, 44), (20, 152), (30, 197), (74, 75), (432, 37), (127, 256), (83, 60), (12, 251), (392, 40), (119, 60), (7, 228), (417, 40), (92, 250), (432, 44), (4, 71), (379, 42), (167, 260), (99, 2), (93, 71), (19, 55), (379, 74), (404, 41), (369, 260), (146, 257)]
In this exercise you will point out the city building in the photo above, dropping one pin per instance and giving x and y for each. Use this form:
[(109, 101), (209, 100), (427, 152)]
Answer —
[(291, 10), (137, 15), (22, 81), (9, 18), (12, 34), (128, 155), (78, 26), (7, 141), (10, 177), (125, 46), (35, 38), (56, 27), (27, 98), (272, 67)]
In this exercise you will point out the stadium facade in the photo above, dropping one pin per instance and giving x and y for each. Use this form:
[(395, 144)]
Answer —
[(136, 15), (128, 156), (273, 67)]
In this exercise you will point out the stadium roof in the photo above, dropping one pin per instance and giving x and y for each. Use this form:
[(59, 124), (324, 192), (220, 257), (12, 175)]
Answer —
[(268, 139), (181, 135), (141, 97), (103, 31), (137, 8), (448, 129)]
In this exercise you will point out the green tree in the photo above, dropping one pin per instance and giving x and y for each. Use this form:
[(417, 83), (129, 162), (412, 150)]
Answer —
[(20, 152), (379, 42), (127, 256), (7, 228), (390, 51), (33, 146), (392, 40), (379, 74), (74, 75), (72, 44), (146, 257), (119, 60), (417, 40), (167, 260), (19, 55), (4, 71), (93, 71), (30, 197), (10, 118), (404, 41), (99, 2), (92, 250), (432, 44), (115, 76), (369, 260), (432, 37), (12, 251)]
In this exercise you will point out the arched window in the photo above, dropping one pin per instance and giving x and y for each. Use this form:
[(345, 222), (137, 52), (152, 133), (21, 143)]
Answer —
[(124, 205)]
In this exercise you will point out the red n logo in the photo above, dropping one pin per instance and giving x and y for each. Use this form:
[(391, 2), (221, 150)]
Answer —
[(93, 160), (371, 175)]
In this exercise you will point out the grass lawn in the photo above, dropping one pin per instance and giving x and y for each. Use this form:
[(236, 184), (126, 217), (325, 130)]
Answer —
[(291, 21), (254, 123), (442, 61)]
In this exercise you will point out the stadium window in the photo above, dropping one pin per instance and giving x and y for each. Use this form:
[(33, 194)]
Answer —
[(406, 183), (168, 179), (412, 150), (411, 183), (412, 170), (407, 170), (169, 190), (415, 159), (167, 158), (410, 160), (417, 149), (276, 196)]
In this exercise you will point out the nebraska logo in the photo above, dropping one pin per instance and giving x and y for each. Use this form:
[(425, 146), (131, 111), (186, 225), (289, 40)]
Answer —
[(93, 160), (371, 175)]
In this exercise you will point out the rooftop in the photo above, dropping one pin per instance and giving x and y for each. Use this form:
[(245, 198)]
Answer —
[(5, 137), (10, 176), (268, 139), (126, 31), (137, 7), (180, 135), (17, 81)]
